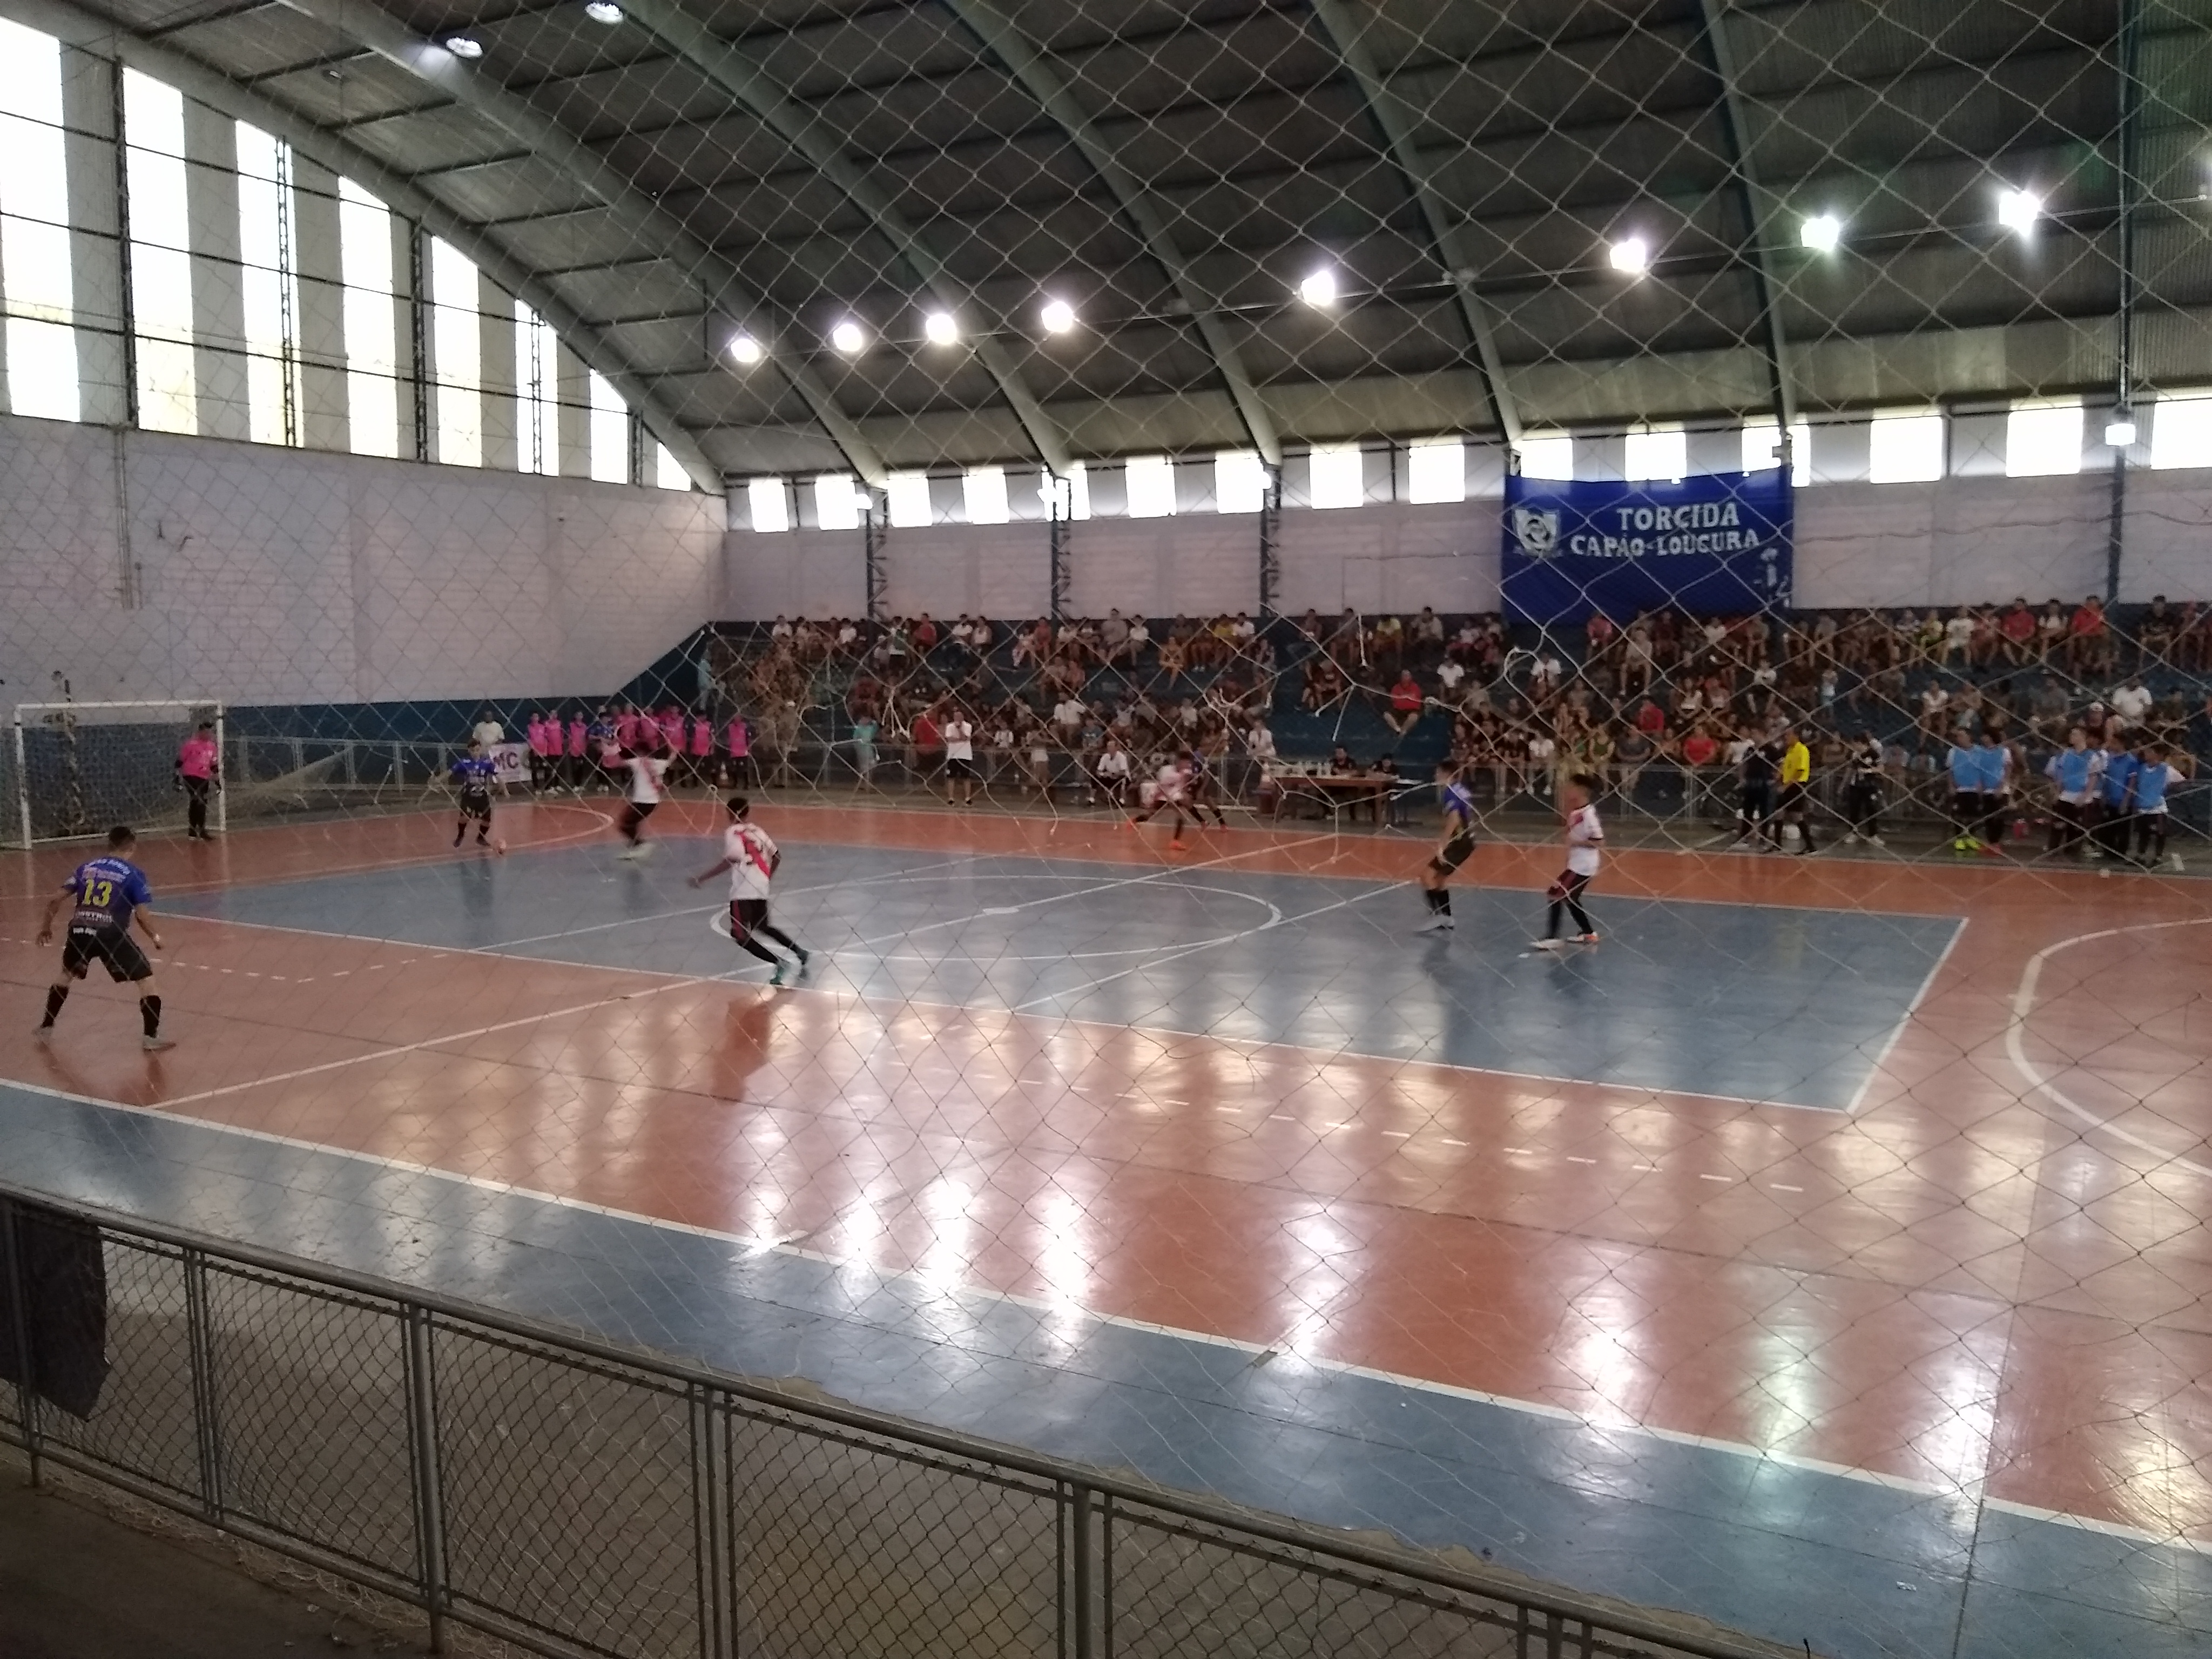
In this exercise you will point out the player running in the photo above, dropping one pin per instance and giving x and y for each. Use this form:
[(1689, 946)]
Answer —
[(110, 893), (752, 857), (1205, 791), (199, 771), (1455, 846), (646, 773), (474, 774), (1585, 837), (1171, 790)]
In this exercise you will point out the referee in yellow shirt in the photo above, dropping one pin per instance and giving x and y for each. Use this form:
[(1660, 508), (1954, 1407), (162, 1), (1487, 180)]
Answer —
[(1797, 788)]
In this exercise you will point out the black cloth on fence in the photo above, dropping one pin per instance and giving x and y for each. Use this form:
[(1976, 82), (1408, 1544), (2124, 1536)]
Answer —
[(58, 1262)]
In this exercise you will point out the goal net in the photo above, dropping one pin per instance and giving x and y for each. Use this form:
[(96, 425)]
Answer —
[(73, 769)]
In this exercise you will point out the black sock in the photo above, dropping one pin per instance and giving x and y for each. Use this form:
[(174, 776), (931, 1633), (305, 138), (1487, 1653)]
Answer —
[(1443, 901), (781, 937), (1552, 920), (149, 1010), (55, 995), (761, 950), (1434, 898), (461, 829)]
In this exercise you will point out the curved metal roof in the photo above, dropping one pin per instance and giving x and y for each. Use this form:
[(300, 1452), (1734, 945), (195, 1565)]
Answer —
[(1173, 170)]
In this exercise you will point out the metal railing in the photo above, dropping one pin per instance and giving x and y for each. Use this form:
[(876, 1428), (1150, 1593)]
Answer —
[(580, 1500)]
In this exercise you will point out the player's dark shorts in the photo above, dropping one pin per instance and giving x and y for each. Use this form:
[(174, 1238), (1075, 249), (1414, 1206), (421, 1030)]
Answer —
[(745, 916), (112, 946), (1793, 797), (1457, 851), (958, 767), (1758, 800), (635, 812), (476, 806)]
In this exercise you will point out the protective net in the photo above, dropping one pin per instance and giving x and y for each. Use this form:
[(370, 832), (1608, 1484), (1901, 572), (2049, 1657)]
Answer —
[(1473, 731)]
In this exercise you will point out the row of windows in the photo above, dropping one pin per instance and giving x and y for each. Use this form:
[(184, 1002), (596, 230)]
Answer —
[(179, 279), (1907, 446)]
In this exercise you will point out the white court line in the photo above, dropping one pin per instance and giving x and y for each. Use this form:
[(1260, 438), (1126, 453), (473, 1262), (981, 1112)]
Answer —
[(1927, 982), (2023, 1004), (781, 1245)]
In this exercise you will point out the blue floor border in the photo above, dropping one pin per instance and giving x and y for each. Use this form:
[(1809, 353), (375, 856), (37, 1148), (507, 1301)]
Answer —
[(1853, 1567)]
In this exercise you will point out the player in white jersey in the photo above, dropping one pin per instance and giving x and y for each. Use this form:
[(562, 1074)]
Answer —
[(750, 856), (959, 735), (1170, 792), (1585, 842), (646, 773)]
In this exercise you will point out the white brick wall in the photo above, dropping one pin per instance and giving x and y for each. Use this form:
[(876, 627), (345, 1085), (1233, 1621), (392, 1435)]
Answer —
[(271, 575)]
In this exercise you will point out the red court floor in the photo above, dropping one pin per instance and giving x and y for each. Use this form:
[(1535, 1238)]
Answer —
[(1991, 1275)]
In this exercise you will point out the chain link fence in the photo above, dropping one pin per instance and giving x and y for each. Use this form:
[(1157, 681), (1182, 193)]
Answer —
[(583, 1501)]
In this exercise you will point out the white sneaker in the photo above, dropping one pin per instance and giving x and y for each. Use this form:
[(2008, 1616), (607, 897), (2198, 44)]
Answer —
[(2174, 863), (1876, 840), (1546, 945), (1436, 923), (153, 1045)]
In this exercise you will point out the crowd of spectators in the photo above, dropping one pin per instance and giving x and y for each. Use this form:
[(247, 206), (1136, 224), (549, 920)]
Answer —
[(1085, 704)]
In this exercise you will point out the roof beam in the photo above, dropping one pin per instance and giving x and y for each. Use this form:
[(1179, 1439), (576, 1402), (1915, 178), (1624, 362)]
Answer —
[(1396, 123), (654, 226), (205, 84), (1041, 79), (745, 80), (1756, 204)]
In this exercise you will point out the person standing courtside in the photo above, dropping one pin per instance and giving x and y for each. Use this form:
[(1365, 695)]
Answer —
[(110, 893), (1863, 793), (1797, 803), (2076, 769), (199, 770)]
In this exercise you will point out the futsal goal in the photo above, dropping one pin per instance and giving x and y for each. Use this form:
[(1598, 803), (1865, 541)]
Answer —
[(75, 768)]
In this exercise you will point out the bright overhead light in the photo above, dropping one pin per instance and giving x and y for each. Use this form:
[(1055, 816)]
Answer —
[(2019, 209), (1823, 232), (940, 328), (1058, 316), (1631, 253), (848, 338), (2121, 433), (1320, 289), (746, 350), (461, 46), (603, 11)]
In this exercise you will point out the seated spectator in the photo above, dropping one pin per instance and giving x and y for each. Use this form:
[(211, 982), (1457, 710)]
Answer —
[(2154, 632), (1428, 635), (2089, 640), (1405, 703), (1650, 719), (2131, 702), (2050, 631), (2016, 630), (1958, 640), (1340, 760)]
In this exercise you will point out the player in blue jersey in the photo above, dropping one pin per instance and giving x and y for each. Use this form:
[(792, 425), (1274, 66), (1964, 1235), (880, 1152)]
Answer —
[(2077, 770), (2116, 795), (2153, 777), (1455, 845), (474, 774), (108, 894)]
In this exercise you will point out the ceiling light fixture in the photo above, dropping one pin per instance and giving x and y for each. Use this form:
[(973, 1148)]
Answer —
[(745, 350), (1631, 254), (603, 11), (1823, 232), (848, 338), (1320, 289), (1058, 316), (2120, 434), (2019, 209), (462, 46), (940, 328)]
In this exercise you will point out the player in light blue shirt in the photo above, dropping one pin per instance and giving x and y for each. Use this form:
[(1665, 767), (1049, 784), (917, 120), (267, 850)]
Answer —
[(2116, 794), (1964, 762), (2076, 770), (2154, 776)]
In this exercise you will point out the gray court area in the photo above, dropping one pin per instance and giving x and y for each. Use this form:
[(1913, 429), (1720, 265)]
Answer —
[(1751, 1001)]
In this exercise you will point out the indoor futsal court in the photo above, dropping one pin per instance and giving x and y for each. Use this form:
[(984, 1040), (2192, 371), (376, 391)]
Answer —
[(1727, 1241), (1106, 829)]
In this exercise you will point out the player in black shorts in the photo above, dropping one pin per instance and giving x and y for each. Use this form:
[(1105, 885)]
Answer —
[(473, 775), (109, 893), (1454, 846)]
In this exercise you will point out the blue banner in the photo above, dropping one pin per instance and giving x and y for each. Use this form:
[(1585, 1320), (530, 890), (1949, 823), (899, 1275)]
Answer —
[(1714, 545)]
